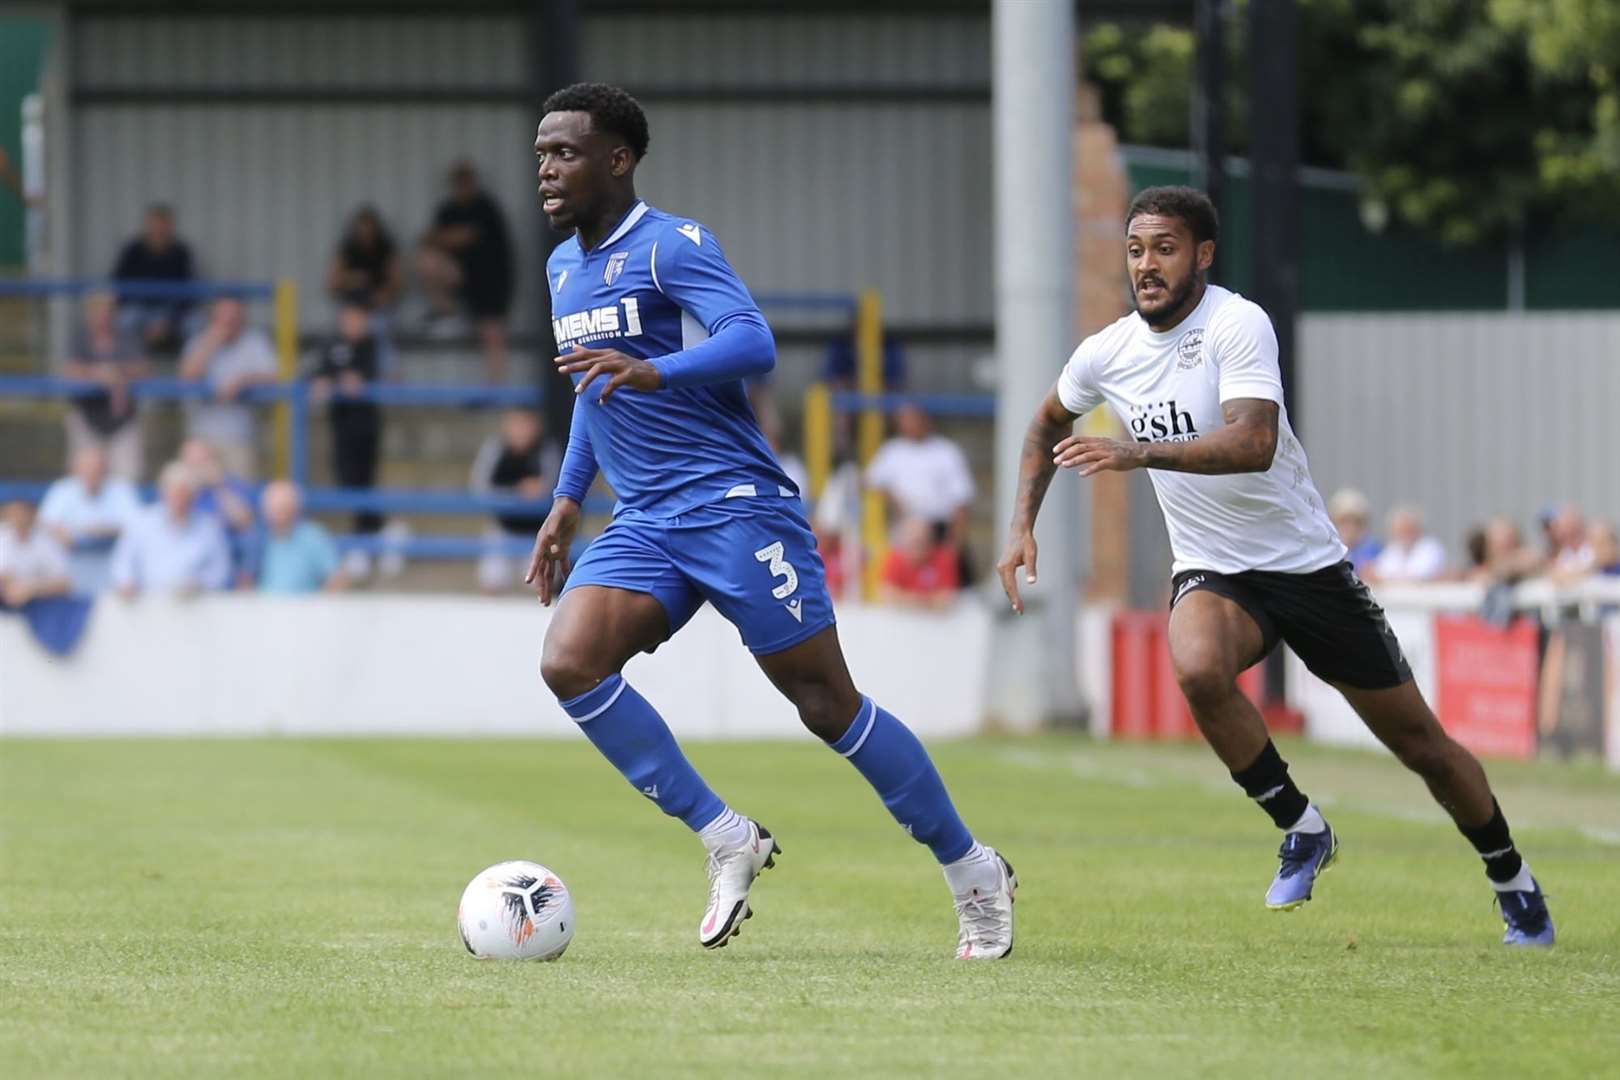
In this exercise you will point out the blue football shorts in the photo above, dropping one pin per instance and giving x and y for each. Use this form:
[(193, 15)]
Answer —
[(753, 558)]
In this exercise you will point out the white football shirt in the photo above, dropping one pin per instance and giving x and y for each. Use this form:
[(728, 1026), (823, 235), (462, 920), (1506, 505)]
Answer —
[(1169, 387)]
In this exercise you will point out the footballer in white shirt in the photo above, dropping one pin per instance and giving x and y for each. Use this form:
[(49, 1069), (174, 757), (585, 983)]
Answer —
[(1193, 375)]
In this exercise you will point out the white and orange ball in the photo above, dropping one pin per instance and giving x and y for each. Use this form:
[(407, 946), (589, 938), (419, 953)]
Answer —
[(516, 911)]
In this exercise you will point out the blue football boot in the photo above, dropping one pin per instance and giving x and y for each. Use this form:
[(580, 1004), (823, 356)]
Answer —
[(1303, 856), (1525, 913)]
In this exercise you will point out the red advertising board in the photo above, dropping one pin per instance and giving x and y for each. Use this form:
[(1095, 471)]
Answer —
[(1147, 701), (1487, 684)]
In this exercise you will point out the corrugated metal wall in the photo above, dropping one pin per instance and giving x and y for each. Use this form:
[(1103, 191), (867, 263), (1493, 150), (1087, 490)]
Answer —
[(1465, 415), (815, 195)]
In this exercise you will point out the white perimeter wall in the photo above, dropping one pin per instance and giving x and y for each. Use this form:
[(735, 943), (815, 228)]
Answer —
[(248, 665)]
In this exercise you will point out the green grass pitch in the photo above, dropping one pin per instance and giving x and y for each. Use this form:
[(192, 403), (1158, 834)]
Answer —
[(287, 908)]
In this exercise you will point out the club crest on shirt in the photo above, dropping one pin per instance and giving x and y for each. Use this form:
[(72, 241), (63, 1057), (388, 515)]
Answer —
[(615, 267), (1190, 349)]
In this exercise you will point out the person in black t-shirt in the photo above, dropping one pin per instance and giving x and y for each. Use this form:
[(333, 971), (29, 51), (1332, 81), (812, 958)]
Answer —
[(157, 254), (521, 462), (346, 366), (466, 258), (365, 271)]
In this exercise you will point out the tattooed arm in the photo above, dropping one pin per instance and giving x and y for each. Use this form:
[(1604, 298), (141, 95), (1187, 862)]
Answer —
[(1036, 467), (1246, 443)]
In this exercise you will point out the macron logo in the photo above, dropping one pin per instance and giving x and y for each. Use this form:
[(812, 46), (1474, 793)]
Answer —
[(690, 231), (651, 792), (795, 610)]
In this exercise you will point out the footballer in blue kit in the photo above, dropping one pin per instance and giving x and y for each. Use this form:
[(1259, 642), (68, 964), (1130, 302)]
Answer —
[(657, 333)]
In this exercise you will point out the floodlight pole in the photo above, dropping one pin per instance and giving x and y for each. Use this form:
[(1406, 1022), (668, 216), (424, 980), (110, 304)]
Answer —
[(1031, 680)]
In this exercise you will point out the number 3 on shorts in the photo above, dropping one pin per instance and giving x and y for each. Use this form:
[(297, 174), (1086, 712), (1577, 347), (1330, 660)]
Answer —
[(779, 567)]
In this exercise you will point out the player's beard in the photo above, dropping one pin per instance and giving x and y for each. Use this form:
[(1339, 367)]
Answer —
[(1174, 298)]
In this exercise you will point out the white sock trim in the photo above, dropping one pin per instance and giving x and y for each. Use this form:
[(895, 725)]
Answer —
[(871, 718), (1309, 822), (1520, 882), (605, 706)]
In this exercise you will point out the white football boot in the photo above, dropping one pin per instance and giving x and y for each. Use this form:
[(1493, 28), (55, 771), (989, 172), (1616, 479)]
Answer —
[(731, 871), (984, 915)]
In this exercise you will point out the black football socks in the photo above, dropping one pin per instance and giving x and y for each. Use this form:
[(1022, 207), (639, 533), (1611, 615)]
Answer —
[(1267, 782)]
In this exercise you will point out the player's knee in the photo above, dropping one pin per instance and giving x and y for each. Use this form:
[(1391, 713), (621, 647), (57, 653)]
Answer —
[(1205, 682), (570, 672), (1429, 753)]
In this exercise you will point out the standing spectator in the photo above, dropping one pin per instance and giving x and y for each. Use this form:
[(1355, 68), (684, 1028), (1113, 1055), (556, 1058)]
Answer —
[(106, 353), (1410, 555), (299, 556), (230, 357), (157, 255), (924, 475), (33, 563), (1350, 513), (520, 463), (1605, 549), (1572, 553), (466, 257), (1499, 554), (86, 511), (365, 272), (172, 547), (229, 498), (347, 365), (919, 570)]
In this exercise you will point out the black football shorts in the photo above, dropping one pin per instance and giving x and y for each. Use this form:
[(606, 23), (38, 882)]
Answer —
[(1326, 616)]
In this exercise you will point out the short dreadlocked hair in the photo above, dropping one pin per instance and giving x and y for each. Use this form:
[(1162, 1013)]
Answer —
[(611, 110), (1190, 205)]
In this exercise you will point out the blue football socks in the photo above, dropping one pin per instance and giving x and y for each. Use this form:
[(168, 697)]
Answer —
[(630, 733), (894, 762)]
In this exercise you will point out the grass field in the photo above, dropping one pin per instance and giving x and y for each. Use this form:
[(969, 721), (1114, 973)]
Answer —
[(287, 908)]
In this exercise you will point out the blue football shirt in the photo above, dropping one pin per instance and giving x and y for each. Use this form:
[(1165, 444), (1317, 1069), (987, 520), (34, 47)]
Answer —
[(659, 284)]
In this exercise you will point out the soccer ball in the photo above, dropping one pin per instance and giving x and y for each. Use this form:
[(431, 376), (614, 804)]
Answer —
[(516, 911)]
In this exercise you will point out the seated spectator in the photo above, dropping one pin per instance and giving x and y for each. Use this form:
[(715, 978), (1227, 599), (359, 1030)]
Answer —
[(86, 511), (156, 255), (106, 353), (347, 365), (465, 259), (227, 497), (33, 563), (924, 475), (1605, 549), (365, 272), (230, 357), (518, 462), (172, 547), (919, 570), (1350, 513), (299, 556), (836, 519), (1410, 555), (1501, 555)]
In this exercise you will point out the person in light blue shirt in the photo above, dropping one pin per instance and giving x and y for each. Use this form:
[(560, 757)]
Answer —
[(299, 556), (659, 335), (172, 547), (86, 511)]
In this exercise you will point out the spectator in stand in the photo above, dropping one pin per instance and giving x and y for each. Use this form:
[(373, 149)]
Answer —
[(1410, 554), (86, 511), (925, 475), (33, 563), (229, 498), (157, 255), (106, 353), (365, 272), (172, 547), (465, 258), (230, 357), (836, 519), (919, 570), (521, 463), (347, 365), (1498, 553), (299, 556), (1350, 513), (1572, 553), (1605, 549)]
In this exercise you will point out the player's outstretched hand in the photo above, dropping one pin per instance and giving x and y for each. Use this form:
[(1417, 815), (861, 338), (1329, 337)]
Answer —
[(548, 566), (620, 370), (1020, 552), (1092, 455)]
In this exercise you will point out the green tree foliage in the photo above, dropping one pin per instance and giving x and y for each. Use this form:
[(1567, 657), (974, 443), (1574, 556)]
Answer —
[(1461, 119)]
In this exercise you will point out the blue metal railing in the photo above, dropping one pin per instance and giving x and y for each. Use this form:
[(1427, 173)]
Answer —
[(136, 289), (961, 405)]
